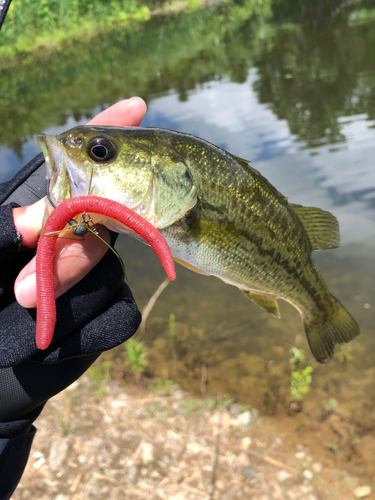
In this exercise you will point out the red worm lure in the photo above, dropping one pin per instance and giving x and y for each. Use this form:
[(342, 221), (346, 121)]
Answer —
[(45, 293)]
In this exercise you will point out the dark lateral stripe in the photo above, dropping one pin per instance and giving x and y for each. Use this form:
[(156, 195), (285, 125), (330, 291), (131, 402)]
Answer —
[(275, 255), (278, 258), (289, 266)]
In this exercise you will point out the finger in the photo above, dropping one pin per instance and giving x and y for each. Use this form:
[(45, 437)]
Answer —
[(28, 222), (71, 262), (74, 260), (126, 113), (129, 112)]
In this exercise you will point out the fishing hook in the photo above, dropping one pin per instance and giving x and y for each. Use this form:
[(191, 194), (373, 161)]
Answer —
[(81, 228), (89, 221), (48, 195)]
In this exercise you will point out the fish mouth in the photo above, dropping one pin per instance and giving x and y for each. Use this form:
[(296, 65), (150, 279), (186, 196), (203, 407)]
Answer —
[(58, 190), (68, 178), (52, 154)]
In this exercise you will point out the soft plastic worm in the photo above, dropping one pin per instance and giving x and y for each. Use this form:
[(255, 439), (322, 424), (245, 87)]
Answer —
[(45, 293)]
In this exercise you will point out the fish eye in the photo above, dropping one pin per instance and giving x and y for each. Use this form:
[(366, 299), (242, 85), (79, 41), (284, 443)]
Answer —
[(101, 149)]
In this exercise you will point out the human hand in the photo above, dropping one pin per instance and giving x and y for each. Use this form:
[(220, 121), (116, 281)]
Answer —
[(74, 259), (95, 315)]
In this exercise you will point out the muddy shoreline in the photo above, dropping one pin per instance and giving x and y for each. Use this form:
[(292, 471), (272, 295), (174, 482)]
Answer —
[(103, 439)]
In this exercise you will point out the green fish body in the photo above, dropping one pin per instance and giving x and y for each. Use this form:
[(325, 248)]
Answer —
[(219, 216)]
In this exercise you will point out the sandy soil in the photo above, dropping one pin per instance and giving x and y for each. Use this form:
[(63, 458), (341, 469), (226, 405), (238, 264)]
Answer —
[(100, 439)]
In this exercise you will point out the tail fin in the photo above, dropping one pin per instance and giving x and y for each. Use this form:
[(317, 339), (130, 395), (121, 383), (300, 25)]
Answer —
[(339, 327)]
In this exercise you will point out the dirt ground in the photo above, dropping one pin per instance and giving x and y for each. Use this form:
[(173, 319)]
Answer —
[(102, 440)]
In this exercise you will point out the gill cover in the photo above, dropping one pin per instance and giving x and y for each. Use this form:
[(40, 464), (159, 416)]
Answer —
[(129, 165)]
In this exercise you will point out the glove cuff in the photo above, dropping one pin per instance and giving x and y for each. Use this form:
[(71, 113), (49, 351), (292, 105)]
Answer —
[(19, 427)]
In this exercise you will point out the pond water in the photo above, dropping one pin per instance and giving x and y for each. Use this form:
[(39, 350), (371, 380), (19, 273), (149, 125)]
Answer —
[(294, 92)]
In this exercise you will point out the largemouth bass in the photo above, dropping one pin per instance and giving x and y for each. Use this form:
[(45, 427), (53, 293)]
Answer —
[(219, 216)]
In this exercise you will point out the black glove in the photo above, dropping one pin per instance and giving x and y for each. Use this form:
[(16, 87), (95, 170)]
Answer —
[(97, 314)]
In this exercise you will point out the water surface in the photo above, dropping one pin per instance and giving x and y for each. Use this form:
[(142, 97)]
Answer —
[(290, 90)]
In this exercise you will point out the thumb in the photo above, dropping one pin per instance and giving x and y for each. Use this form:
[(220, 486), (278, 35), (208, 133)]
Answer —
[(29, 221), (73, 259)]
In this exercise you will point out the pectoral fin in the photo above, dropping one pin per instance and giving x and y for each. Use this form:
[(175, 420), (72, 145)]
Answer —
[(322, 227), (266, 302)]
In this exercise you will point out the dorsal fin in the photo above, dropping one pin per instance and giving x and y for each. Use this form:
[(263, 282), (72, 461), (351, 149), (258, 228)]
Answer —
[(254, 173), (322, 227)]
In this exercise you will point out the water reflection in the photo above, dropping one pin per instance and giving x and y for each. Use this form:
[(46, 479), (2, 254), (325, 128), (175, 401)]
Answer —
[(229, 115), (310, 74)]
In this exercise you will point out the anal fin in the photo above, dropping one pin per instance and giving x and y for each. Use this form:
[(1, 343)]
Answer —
[(266, 302)]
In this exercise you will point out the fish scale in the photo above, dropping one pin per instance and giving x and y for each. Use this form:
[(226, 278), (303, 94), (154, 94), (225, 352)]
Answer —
[(217, 213)]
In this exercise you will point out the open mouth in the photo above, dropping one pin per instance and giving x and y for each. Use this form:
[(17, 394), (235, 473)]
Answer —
[(68, 178), (51, 151)]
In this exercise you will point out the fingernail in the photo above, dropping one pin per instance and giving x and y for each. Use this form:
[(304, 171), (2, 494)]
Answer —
[(135, 100), (25, 291)]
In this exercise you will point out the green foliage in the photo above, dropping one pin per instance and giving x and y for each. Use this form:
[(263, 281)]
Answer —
[(172, 326), (331, 405), (300, 383), (300, 380), (99, 374), (191, 405), (332, 447), (135, 355), (226, 402), (298, 358), (344, 355), (72, 398), (173, 333), (354, 436), (162, 387), (309, 72), (30, 25), (304, 76), (207, 403), (156, 410), (99, 371), (155, 407), (362, 16), (66, 427)]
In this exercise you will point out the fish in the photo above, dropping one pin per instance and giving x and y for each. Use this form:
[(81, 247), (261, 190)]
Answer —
[(218, 214)]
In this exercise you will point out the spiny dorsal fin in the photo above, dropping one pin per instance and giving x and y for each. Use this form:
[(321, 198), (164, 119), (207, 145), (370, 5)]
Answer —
[(266, 302), (322, 227), (253, 172)]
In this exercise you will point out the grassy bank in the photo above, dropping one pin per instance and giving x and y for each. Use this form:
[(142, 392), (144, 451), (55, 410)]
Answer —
[(47, 86), (49, 23)]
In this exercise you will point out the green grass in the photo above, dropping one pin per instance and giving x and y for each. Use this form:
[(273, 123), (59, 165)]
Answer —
[(298, 359), (66, 427), (135, 356), (162, 387), (30, 25), (344, 355), (362, 16), (300, 383), (99, 375), (207, 403)]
